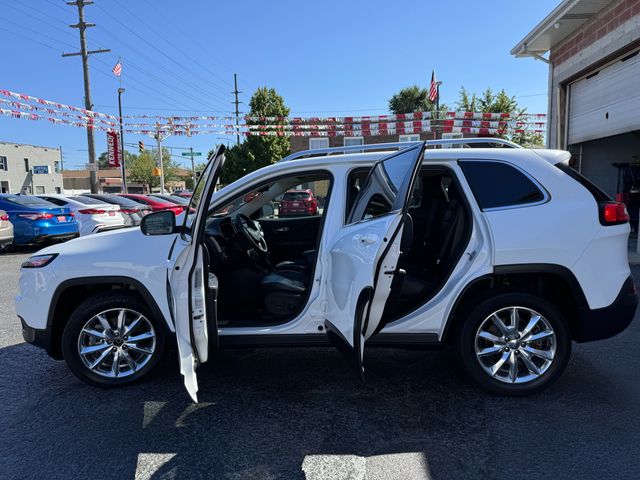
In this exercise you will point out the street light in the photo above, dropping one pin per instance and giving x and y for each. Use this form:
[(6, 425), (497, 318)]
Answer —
[(124, 172)]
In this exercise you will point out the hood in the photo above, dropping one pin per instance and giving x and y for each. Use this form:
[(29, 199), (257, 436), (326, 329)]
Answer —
[(125, 244)]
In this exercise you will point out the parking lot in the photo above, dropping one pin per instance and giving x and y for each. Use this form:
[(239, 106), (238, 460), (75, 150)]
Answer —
[(291, 413)]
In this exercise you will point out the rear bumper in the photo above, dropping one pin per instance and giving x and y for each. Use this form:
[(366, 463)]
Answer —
[(606, 322), (57, 237)]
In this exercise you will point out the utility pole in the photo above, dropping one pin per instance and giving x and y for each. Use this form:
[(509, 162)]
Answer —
[(236, 92), (193, 169), (122, 151), (84, 53), (159, 139)]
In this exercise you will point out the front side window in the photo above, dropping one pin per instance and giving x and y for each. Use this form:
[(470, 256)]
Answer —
[(497, 184), (298, 196)]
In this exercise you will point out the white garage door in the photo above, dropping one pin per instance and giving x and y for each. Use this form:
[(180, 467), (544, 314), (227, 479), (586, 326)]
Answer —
[(606, 102)]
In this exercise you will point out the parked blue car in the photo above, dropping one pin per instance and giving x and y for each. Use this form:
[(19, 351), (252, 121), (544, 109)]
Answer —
[(36, 221)]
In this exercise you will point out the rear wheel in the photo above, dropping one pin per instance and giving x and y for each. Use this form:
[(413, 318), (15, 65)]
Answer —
[(514, 344), (112, 340)]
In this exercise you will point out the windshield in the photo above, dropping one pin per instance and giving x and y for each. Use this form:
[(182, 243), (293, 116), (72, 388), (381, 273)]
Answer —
[(28, 201)]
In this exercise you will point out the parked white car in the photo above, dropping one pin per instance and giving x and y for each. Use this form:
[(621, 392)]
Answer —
[(505, 253), (92, 215)]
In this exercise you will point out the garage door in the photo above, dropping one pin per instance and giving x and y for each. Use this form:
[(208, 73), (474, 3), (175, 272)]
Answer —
[(607, 102)]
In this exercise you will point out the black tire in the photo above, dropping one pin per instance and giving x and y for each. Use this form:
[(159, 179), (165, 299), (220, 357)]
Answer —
[(466, 346), (88, 309)]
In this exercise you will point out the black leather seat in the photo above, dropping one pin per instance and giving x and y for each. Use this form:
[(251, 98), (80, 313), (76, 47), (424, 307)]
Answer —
[(284, 292)]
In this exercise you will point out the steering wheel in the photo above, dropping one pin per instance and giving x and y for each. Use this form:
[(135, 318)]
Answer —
[(251, 232)]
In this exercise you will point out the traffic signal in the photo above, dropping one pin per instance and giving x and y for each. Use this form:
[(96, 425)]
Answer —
[(141, 146)]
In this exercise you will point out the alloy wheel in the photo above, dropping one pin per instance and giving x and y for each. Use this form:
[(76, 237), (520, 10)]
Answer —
[(515, 344), (116, 343)]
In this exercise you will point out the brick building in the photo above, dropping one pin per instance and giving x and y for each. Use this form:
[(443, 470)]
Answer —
[(593, 51), (310, 143)]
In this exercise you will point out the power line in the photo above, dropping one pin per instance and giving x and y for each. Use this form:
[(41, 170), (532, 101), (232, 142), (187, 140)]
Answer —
[(180, 79), (161, 52)]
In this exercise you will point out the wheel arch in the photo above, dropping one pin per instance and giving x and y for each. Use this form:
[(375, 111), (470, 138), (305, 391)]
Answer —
[(71, 293), (554, 283)]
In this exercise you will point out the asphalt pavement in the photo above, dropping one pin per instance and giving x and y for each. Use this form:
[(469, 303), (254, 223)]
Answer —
[(302, 413)]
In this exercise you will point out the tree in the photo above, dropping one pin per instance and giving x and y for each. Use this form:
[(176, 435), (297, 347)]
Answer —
[(103, 159), (413, 99), (258, 151), (140, 168), (501, 102)]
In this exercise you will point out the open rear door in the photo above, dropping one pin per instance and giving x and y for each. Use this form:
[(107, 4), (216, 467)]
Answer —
[(364, 254), (191, 283)]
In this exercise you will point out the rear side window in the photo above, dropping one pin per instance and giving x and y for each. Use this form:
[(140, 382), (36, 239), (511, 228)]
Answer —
[(86, 200), (598, 194), (497, 184)]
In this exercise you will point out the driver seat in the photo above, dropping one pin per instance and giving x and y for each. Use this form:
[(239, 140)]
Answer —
[(284, 292)]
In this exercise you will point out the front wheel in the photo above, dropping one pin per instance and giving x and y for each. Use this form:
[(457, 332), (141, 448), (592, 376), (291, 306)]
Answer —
[(112, 340), (514, 344)]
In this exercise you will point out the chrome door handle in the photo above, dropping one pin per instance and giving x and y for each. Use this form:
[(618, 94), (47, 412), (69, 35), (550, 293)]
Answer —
[(283, 229)]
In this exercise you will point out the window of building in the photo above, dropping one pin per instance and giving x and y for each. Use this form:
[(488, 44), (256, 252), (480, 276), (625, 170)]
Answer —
[(39, 189), (315, 143), (352, 141), (58, 190), (56, 167), (3, 164), (27, 190), (4, 187), (448, 136), (410, 138), (26, 165), (497, 184)]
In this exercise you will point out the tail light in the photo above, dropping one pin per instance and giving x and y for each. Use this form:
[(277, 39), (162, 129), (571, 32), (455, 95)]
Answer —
[(71, 214), (4, 218), (92, 211), (130, 210), (613, 213), (35, 216)]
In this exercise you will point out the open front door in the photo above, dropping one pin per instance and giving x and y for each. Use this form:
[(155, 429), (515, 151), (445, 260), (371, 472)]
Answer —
[(192, 286), (364, 254)]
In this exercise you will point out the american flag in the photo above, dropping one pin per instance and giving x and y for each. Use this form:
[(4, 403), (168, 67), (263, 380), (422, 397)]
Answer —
[(433, 88), (117, 70)]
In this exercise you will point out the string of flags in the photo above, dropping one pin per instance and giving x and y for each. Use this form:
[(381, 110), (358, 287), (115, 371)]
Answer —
[(27, 107)]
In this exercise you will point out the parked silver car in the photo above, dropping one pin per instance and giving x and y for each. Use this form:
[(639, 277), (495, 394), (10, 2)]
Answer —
[(6, 231), (133, 212)]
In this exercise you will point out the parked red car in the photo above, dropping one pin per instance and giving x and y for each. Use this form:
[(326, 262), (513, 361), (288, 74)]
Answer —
[(155, 203), (297, 203)]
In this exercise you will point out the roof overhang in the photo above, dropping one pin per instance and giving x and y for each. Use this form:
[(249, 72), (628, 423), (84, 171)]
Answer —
[(565, 19)]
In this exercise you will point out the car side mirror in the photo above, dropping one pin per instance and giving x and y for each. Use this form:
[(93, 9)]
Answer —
[(159, 223)]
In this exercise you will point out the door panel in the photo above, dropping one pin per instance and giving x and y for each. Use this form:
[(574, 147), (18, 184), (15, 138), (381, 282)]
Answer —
[(189, 280), (364, 255), (288, 238)]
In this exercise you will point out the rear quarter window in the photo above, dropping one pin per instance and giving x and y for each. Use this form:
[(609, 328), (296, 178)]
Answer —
[(498, 185), (597, 193)]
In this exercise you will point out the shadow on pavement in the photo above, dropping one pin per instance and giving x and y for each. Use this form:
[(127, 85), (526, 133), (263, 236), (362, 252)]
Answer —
[(270, 413)]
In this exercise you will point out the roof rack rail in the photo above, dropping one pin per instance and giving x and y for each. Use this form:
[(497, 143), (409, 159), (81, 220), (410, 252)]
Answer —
[(351, 148), (398, 146)]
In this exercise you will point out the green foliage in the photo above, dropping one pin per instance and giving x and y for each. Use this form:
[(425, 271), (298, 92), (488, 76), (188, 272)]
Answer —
[(103, 159), (140, 167), (488, 102), (256, 152), (413, 99)]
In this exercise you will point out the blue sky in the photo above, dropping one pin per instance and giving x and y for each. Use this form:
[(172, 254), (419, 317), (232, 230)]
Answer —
[(324, 57)]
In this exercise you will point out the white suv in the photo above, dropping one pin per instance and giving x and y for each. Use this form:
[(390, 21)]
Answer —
[(505, 253)]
